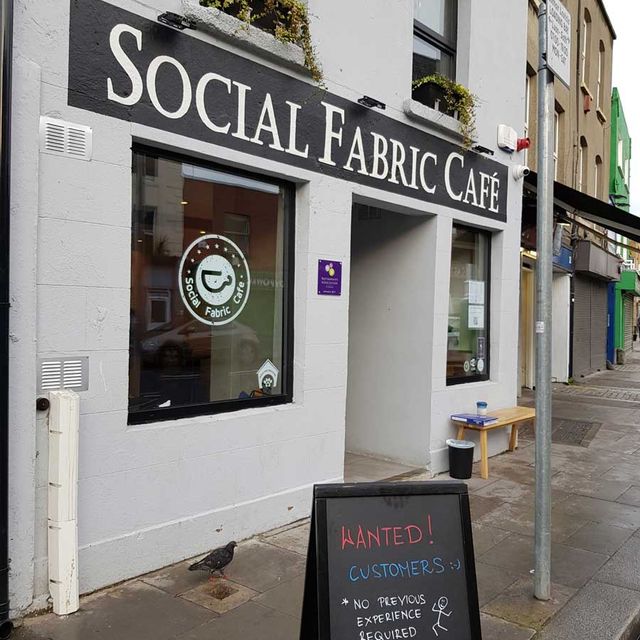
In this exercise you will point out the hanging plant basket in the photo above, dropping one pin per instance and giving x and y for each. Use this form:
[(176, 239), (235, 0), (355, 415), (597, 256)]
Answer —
[(451, 98), (432, 95), (286, 20)]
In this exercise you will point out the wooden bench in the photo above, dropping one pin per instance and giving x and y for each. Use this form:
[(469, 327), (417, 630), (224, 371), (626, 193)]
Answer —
[(506, 417)]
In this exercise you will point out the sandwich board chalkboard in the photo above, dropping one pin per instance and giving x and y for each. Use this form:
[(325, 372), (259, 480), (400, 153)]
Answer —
[(388, 561)]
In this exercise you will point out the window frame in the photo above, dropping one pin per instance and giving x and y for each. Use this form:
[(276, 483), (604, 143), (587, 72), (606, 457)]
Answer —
[(288, 259), (599, 88), (584, 53), (597, 178), (486, 376), (583, 151), (158, 295), (437, 40)]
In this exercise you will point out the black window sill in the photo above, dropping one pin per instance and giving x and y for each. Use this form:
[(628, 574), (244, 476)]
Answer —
[(209, 409), (451, 382)]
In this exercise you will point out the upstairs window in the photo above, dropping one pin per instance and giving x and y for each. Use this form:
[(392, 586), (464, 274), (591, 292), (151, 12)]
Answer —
[(527, 112), (599, 85), (582, 163), (584, 54), (434, 38), (597, 178)]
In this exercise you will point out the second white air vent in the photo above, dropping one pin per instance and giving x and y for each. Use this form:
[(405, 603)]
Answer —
[(64, 373), (65, 138)]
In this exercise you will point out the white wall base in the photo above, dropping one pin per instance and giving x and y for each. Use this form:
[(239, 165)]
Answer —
[(154, 548)]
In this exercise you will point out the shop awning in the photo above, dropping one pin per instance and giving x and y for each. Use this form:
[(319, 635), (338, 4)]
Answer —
[(629, 283), (590, 208)]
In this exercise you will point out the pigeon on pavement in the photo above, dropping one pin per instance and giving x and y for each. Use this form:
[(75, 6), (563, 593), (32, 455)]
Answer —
[(217, 560)]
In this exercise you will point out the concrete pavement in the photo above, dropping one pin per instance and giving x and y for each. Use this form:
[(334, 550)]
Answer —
[(595, 546)]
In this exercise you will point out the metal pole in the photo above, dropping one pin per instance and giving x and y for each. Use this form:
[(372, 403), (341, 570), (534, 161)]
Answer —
[(544, 270), (6, 26), (6, 20)]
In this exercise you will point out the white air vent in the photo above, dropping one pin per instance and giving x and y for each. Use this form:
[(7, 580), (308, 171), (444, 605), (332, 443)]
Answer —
[(64, 373), (65, 138)]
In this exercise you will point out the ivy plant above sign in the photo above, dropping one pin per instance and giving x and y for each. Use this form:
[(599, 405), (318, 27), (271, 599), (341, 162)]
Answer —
[(286, 20)]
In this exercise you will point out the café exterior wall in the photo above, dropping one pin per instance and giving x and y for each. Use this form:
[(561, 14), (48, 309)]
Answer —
[(153, 494)]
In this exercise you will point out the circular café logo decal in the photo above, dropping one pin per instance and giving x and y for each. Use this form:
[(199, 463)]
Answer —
[(214, 279)]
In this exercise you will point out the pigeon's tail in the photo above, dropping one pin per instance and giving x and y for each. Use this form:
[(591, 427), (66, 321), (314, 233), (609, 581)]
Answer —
[(196, 565)]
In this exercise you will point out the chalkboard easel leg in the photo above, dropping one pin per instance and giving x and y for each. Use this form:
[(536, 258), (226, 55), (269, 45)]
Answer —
[(309, 623)]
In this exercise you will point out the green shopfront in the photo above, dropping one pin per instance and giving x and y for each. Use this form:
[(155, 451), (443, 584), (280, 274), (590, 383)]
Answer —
[(626, 291)]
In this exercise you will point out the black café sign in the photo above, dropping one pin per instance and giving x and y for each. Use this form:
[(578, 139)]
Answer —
[(132, 68)]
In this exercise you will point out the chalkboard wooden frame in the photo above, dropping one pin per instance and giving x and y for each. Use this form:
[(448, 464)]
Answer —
[(316, 610)]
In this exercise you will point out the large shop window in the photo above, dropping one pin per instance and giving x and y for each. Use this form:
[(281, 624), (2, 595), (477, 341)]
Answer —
[(210, 289), (434, 38), (468, 330)]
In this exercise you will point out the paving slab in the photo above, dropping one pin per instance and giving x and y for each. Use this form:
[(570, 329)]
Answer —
[(508, 490), (485, 537), (518, 517), (176, 578), (262, 566), (294, 539), (597, 612), (599, 538), (219, 595), (574, 567), (492, 581), (285, 598), (604, 511), (631, 496), (514, 554), (251, 621), (517, 604), (589, 486), (481, 506), (624, 472), (497, 629), (136, 610), (594, 409), (569, 567)]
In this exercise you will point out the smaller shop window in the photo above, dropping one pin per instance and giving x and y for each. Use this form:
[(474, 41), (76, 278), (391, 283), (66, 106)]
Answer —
[(468, 326)]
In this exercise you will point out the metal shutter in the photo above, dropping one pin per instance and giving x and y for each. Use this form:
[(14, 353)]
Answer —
[(581, 326), (599, 314), (627, 304)]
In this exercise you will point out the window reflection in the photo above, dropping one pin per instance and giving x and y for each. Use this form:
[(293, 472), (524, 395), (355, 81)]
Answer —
[(468, 325)]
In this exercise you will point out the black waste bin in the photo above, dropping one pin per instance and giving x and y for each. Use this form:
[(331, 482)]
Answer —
[(460, 458)]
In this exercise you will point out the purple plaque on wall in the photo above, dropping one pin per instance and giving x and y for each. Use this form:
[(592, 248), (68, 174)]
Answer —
[(329, 278)]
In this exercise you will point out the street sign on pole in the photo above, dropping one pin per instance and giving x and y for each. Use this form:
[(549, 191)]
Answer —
[(559, 41)]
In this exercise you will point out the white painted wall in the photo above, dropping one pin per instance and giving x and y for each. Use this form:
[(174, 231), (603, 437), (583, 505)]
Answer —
[(561, 310), (153, 494)]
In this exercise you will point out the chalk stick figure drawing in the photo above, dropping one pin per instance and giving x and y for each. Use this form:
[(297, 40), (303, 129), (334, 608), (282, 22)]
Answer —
[(439, 608)]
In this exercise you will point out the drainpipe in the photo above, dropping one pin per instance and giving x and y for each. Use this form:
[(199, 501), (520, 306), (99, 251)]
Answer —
[(6, 19)]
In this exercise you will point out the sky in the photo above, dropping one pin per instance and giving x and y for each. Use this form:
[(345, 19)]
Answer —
[(625, 17)]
